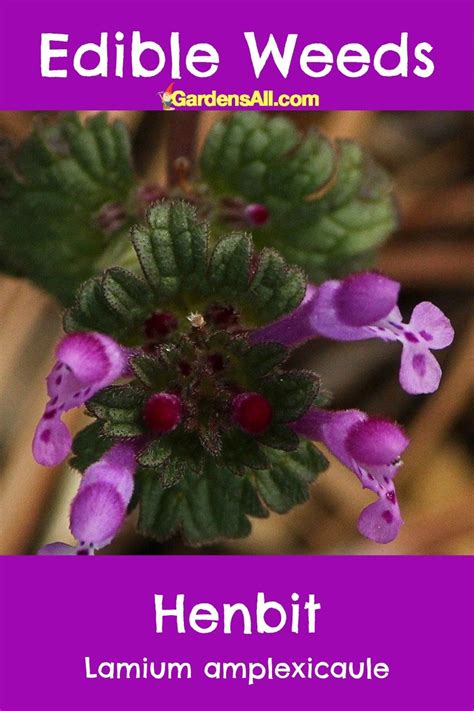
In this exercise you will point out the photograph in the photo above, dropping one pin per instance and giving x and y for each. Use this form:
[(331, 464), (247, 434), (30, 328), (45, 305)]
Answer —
[(236, 332)]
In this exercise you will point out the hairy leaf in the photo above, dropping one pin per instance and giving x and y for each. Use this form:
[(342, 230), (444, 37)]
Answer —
[(329, 206), (51, 195)]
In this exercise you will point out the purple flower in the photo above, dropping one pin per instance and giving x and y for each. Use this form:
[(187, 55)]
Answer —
[(293, 329), (371, 448), (100, 505), (365, 306), (86, 363)]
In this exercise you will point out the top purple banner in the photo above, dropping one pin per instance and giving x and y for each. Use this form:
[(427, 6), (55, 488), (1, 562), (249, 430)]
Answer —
[(299, 55)]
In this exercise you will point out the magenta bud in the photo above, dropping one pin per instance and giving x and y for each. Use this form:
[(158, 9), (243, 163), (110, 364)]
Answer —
[(256, 215), (163, 412), (160, 324), (252, 412)]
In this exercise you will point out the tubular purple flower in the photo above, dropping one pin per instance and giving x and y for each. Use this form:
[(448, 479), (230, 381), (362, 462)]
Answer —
[(371, 448), (293, 329), (100, 505), (86, 363), (364, 306)]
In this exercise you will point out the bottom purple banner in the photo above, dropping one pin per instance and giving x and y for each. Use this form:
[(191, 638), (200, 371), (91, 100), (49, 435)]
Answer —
[(208, 632)]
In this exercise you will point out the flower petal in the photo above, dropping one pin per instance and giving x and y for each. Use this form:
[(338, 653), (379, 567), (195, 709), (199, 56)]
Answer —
[(332, 428), (380, 521), (87, 363), (92, 357), (97, 512), (58, 549), (293, 329), (376, 441), (339, 431), (116, 467), (326, 321), (420, 372), (51, 442), (365, 298), (432, 325)]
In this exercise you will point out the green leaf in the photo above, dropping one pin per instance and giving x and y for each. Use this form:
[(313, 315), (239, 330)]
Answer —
[(242, 451), (262, 358), (122, 429), (172, 248), (127, 296), (51, 192), (155, 453), (279, 436), (89, 446), (329, 207), (276, 288), (204, 508), (286, 484), (181, 275), (151, 371), (119, 405), (229, 270), (252, 156), (290, 393), (91, 312), (218, 503)]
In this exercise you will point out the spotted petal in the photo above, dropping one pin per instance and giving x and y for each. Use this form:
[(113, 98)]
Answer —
[(432, 325), (368, 447), (87, 362), (420, 372), (380, 521)]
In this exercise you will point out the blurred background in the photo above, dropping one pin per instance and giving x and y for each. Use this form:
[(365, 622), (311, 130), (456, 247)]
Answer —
[(431, 158)]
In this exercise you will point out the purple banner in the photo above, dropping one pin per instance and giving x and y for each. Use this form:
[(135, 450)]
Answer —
[(79, 54), (85, 634)]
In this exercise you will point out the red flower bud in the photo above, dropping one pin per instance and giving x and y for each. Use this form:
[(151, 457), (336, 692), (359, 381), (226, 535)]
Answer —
[(256, 215), (252, 412), (163, 412), (160, 325)]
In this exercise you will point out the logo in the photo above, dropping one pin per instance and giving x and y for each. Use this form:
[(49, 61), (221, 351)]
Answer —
[(167, 98)]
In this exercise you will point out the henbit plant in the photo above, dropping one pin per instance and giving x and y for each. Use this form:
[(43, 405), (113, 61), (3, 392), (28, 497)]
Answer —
[(179, 348), (198, 419)]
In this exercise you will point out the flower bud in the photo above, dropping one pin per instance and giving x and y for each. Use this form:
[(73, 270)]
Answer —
[(252, 412), (160, 325), (163, 412), (256, 215)]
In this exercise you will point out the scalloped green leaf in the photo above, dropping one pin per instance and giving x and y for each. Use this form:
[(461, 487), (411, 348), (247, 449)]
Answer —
[(252, 156), (217, 504), (51, 191), (151, 371), (290, 393), (155, 453), (285, 484), (127, 296), (118, 404), (276, 289), (329, 206), (229, 269), (172, 248), (91, 311), (89, 445), (203, 508)]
